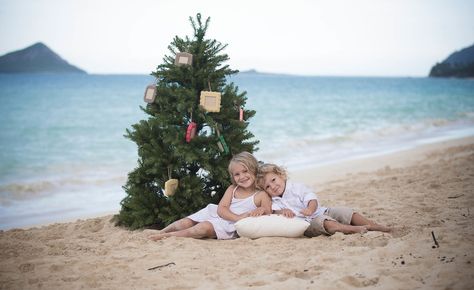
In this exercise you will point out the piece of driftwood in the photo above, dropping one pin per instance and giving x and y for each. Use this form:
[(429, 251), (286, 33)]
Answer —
[(161, 266), (434, 239), (456, 196)]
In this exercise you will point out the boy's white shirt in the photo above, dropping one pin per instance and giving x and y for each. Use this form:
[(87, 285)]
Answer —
[(296, 198)]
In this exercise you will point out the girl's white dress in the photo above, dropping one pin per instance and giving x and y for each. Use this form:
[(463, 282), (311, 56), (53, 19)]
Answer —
[(225, 229)]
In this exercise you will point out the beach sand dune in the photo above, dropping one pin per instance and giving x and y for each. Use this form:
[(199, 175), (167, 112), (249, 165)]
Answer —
[(433, 194)]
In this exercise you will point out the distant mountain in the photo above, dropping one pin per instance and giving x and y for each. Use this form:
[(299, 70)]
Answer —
[(255, 72), (459, 64), (250, 71), (37, 58)]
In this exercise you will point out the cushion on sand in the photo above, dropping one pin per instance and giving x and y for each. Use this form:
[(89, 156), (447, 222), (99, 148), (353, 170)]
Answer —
[(271, 226)]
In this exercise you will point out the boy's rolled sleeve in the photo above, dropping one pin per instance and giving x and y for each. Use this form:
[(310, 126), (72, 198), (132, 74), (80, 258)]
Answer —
[(309, 196)]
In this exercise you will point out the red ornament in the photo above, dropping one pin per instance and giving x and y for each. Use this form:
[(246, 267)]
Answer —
[(191, 131)]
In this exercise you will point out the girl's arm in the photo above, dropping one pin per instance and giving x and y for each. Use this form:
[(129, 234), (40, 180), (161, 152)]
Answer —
[(223, 209), (265, 202)]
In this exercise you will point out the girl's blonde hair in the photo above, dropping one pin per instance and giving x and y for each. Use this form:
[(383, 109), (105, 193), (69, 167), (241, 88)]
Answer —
[(247, 160), (266, 168)]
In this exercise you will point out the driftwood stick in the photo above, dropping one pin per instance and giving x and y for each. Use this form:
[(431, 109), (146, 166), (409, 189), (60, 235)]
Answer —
[(455, 196), (161, 266), (434, 239)]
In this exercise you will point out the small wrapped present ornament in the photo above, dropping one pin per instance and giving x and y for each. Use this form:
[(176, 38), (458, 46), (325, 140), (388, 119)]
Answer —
[(221, 144), (150, 94), (210, 101), (183, 58), (170, 187)]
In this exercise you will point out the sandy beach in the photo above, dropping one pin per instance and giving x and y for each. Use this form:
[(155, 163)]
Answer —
[(426, 194)]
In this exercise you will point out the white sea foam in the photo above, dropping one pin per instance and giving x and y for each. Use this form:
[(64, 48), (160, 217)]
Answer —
[(315, 151)]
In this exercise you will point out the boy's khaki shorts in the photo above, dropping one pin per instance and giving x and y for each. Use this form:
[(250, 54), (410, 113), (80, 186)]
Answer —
[(341, 215)]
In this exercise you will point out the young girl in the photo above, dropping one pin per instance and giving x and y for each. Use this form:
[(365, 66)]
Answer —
[(242, 199), (294, 199)]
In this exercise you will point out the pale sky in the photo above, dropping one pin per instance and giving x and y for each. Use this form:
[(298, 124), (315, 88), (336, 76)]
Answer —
[(327, 38)]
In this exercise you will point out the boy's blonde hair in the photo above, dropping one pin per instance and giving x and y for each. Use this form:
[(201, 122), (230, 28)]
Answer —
[(266, 168), (247, 160)]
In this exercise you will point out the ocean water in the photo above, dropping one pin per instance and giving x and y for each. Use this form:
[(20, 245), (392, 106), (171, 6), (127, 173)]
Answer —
[(63, 154)]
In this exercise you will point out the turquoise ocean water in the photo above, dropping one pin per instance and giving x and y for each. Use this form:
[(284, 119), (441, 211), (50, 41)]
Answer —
[(63, 154)]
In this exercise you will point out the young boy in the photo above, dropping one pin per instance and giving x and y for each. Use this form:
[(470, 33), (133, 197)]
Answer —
[(294, 199)]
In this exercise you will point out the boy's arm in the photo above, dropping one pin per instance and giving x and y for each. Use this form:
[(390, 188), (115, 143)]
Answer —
[(285, 212), (309, 198), (311, 208), (279, 207)]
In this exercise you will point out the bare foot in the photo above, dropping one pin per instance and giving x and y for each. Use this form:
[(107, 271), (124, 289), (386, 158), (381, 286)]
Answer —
[(151, 232), (158, 237), (357, 229), (377, 227)]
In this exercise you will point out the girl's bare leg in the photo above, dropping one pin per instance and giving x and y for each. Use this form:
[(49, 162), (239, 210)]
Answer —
[(198, 231), (360, 220), (179, 225), (333, 227)]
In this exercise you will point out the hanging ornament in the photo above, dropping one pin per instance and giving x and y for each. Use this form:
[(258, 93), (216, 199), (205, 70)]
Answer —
[(150, 94), (191, 130), (171, 184), (183, 58), (241, 114), (221, 144), (210, 101)]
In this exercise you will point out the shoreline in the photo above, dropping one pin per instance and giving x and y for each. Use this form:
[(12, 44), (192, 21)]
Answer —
[(406, 157), (317, 176), (424, 194)]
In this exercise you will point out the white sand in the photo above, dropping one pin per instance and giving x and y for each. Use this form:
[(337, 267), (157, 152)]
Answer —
[(418, 191)]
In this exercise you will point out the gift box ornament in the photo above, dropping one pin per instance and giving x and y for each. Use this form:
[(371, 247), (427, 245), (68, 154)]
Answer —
[(223, 145), (170, 187), (150, 94), (191, 131), (211, 101), (183, 58)]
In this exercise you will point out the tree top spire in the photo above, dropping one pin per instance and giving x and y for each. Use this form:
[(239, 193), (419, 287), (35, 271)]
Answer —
[(199, 30)]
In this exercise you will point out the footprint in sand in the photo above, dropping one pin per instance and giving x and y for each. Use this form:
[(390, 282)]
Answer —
[(27, 267), (399, 232), (360, 282)]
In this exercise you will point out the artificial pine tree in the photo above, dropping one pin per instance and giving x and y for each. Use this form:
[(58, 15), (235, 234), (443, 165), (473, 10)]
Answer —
[(196, 163)]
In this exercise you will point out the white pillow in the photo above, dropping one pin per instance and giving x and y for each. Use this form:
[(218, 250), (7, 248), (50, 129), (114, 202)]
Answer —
[(271, 226)]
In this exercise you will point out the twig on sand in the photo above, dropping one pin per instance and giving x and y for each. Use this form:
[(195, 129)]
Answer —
[(435, 241), (455, 196), (161, 266)]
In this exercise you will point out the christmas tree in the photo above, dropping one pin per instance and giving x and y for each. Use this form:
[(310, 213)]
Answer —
[(196, 122)]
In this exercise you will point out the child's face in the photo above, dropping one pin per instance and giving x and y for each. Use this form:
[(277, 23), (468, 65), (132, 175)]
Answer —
[(242, 176), (274, 184)]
